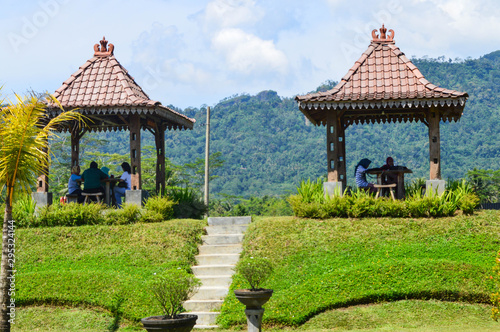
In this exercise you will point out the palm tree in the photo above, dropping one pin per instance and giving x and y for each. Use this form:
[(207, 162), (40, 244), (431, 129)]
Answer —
[(24, 154)]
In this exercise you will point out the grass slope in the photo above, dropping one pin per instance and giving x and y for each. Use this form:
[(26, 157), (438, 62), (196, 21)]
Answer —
[(326, 264), (97, 265), (406, 315)]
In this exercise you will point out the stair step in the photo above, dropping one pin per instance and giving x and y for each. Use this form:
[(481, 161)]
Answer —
[(220, 221), (222, 239), (216, 280), (211, 270), (217, 259), (226, 229), (210, 293), (203, 305), (205, 317), (220, 249)]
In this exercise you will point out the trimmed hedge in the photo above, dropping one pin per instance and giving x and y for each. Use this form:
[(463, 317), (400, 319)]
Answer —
[(310, 202), (157, 209)]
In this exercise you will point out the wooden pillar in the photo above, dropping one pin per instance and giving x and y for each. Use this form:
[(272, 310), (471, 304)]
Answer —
[(160, 159), (43, 180), (434, 144), (335, 140), (76, 135), (135, 150), (43, 184)]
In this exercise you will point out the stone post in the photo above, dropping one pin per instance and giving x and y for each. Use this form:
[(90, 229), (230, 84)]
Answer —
[(254, 319)]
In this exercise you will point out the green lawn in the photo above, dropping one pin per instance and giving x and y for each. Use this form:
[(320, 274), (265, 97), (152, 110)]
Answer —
[(96, 265), (406, 315), (342, 274), (337, 263)]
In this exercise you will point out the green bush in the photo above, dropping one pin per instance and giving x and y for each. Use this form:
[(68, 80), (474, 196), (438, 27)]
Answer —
[(255, 206), (255, 270), (311, 191), (128, 214), (171, 288), (72, 214), (23, 211), (187, 203), (468, 202), (164, 206), (310, 202)]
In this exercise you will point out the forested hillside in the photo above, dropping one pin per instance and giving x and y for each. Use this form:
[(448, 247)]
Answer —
[(268, 146)]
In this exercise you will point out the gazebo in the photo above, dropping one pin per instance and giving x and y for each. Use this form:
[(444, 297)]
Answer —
[(383, 85), (104, 92)]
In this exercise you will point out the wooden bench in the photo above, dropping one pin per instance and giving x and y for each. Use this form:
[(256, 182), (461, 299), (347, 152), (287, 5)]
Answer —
[(382, 186), (87, 195), (72, 198)]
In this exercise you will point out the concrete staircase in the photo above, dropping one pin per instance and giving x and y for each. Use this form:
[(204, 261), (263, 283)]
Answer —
[(216, 260)]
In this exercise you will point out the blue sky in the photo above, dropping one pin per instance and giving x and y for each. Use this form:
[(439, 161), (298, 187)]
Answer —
[(197, 52)]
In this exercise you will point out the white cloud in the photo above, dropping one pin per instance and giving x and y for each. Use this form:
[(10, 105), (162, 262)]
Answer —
[(232, 13), (248, 54), (205, 50)]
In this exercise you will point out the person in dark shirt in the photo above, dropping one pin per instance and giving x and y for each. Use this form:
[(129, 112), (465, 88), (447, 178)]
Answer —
[(92, 179), (389, 178)]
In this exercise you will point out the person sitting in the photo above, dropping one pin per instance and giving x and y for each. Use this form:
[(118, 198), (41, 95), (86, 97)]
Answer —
[(359, 172), (123, 184), (74, 185), (389, 178), (92, 179)]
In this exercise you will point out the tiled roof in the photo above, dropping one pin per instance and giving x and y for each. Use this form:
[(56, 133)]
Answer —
[(382, 73), (103, 83)]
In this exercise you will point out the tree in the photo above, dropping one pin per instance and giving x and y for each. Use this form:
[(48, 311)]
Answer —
[(25, 132), (195, 172)]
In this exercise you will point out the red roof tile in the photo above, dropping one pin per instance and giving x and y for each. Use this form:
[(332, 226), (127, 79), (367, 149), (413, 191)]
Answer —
[(103, 82), (383, 72)]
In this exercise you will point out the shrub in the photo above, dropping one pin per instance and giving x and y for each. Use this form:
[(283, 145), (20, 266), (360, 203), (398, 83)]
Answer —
[(415, 187), (23, 211), (171, 288), (335, 206), (129, 214), (361, 206), (187, 203), (255, 270), (311, 191), (164, 206), (71, 214), (305, 210), (468, 202)]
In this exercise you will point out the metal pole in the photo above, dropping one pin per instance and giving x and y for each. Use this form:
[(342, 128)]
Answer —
[(207, 156)]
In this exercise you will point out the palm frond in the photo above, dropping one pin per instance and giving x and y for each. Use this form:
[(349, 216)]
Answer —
[(24, 139)]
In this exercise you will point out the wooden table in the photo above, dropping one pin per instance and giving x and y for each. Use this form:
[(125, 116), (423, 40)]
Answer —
[(400, 178), (108, 182)]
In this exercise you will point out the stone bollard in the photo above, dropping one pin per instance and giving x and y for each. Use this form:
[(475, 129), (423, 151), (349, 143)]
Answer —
[(254, 319)]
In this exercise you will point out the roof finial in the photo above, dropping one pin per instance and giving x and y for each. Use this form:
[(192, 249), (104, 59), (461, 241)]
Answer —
[(383, 37), (103, 50)]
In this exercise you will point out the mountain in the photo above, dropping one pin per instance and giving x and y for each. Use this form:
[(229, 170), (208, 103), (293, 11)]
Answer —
[(269, 147)]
